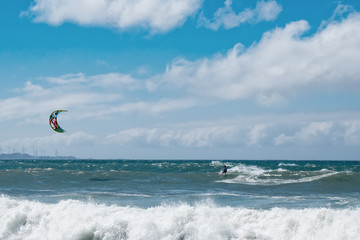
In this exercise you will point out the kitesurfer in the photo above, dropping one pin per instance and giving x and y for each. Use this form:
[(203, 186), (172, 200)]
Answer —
[(224, 171)]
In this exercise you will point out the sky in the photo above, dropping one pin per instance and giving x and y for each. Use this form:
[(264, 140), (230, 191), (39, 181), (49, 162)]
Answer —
[(181, 79)]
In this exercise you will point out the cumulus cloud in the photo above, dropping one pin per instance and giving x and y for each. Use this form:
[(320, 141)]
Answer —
[(153, 15), (282, 64), (228, 18)]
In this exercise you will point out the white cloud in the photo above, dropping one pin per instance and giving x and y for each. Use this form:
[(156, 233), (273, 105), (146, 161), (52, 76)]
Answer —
[(30, 87), (228, 18), (352, 133), (150, 107), (340, 11), (281, 65), (243, 131), (314, 132), (267, 10), (108, 80), (256, 134), (87, 96), (193, 137), (67, 79), (38, 106), (153, 15), (35, 101), (114, 80)]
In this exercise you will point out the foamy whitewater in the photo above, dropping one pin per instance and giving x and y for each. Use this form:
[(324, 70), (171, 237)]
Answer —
[(128, 199)]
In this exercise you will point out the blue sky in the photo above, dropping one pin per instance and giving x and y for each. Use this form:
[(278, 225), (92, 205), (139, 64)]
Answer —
[(189, 79)]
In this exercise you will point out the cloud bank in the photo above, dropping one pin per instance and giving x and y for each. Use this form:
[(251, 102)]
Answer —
[(281, 130), (329, 130)]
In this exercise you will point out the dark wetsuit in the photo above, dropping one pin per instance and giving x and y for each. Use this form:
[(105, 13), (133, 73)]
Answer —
[(225, 170)]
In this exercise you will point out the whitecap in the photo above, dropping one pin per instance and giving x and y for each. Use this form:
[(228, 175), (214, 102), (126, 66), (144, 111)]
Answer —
[(288, 164)]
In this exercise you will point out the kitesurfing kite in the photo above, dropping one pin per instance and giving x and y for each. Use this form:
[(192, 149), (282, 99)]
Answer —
[(54, 122)]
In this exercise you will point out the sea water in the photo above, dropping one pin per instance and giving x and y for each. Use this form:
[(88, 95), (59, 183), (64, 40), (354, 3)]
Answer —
[(159, 199)]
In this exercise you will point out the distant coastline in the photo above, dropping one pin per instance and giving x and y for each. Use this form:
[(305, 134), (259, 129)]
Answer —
[(24, 156)]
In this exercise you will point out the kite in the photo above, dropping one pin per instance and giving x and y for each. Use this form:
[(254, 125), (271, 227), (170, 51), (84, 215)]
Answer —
[(54, 122)]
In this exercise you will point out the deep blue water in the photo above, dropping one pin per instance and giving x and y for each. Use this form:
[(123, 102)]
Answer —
[(255, 184)]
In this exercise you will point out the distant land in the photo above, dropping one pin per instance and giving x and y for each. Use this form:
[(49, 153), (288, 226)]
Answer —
[(24, 156)]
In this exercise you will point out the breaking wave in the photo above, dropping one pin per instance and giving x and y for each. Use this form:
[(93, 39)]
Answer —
[(254, 175), (79, 220)]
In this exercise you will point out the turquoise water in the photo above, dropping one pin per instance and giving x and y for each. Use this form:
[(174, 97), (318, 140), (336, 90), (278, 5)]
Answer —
[(167, 199)]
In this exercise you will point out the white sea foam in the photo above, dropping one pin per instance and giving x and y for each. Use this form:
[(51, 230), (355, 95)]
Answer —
[(288, 164), (255, 180), (117, 194), (160, 165), (253, 175), (36, 170), (76, 220), (220, 194), (216, 163), (247, 169)]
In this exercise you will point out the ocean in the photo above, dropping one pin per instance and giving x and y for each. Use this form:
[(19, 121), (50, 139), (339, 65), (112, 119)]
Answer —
[(173, 199)]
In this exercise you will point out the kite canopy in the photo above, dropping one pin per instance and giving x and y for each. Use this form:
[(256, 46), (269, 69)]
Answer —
[(54, 122)]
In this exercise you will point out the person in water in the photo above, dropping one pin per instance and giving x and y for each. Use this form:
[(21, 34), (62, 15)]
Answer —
[(224, 170)]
